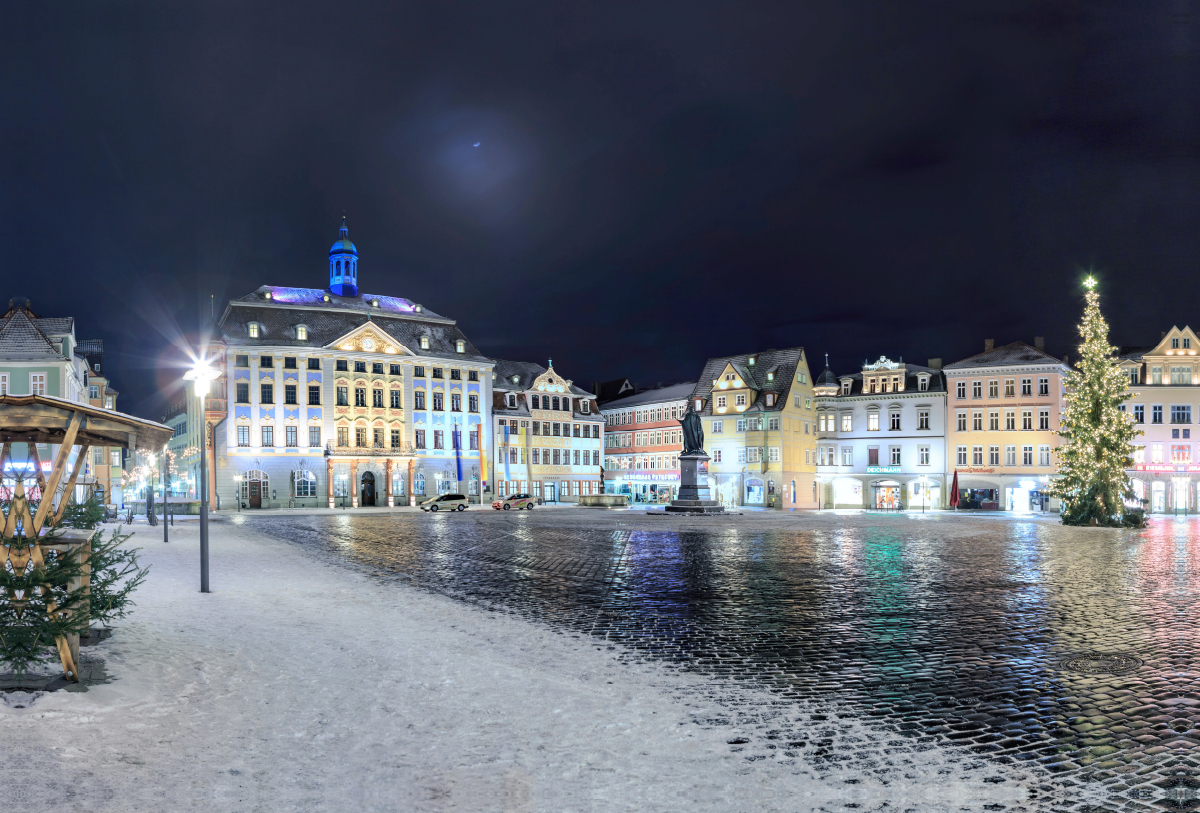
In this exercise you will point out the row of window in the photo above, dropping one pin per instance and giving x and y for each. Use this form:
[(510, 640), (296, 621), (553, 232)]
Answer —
[(1179, 375), (1180, 413), (750, 454), (289, 362), (291, 436), (1010, 420), (37, 384), (1010, 456), (827, 422), (554, 457), (254, 331), (1180, 453), (661, 462), (1010, 388), (547, 402), (567, 488), (827, 456), (555, 429), (343, 366), (660, 437), (632, 416)]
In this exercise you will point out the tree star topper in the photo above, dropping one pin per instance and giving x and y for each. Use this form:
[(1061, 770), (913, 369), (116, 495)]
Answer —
[(1089, 283)]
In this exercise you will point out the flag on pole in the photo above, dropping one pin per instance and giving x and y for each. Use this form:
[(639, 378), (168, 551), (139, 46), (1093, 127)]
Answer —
[(458, 452), (505, 453)]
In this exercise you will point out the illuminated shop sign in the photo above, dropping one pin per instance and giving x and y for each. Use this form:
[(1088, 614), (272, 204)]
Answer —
[(650, 477), (883, 469), (1170, 468)]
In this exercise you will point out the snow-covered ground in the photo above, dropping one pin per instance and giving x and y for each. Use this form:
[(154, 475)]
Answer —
[(300, 685)]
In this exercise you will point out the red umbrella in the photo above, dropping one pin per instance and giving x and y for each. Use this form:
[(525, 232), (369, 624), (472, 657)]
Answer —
[(954, 492)]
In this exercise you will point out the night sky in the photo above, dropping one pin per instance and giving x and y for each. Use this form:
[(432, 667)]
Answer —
[(654, 184)]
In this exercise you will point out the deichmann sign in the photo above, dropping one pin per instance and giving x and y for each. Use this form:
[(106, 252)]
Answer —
[(648, 477), (883, 469), (1170, 468)]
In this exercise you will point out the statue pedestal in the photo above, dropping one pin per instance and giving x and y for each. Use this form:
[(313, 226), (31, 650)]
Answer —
[(693, 487)]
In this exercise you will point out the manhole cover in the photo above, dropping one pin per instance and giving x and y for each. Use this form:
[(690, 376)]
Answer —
[(1101, 663)]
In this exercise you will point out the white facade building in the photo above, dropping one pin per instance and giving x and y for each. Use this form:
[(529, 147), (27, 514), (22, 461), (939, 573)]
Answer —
[(881, 437)]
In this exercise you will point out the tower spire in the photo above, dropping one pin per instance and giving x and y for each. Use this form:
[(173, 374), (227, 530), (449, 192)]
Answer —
[(343, 264)]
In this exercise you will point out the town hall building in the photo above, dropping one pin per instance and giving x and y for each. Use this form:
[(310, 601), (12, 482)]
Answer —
[(334, 397)]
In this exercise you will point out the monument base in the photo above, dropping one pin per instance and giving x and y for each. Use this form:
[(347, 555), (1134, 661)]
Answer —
[(694, 496)]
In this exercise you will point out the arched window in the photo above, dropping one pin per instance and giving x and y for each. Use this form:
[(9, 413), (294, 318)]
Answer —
[(397, 484), (419, 485), (556, 402), (536, 402), (304, 484), (339, 268)]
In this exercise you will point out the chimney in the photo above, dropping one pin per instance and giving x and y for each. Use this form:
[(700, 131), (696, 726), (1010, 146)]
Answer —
[(989, 345), (1163, 336), (1039, 342), (1065, 360), (934, 364)]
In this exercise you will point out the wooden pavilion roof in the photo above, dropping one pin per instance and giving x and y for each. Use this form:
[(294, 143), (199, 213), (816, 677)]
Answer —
[(45, 419)]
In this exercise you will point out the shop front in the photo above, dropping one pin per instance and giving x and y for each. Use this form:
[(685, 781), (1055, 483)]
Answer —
[(887, 495), (1165, 488), (649, 488)]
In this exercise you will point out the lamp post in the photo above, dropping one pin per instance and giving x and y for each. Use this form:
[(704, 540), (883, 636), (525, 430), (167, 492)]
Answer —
[(165, 495), (237, 491), (202, 375)]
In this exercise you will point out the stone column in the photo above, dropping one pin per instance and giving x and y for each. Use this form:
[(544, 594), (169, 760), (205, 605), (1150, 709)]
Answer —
[(391, 498), (329, 479), (412, 480), (354, 484)]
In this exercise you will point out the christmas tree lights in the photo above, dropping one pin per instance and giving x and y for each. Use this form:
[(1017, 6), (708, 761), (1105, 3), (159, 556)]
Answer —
[(1097, 436)]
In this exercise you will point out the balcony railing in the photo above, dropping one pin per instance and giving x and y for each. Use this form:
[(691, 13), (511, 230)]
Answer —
[(377, 449)]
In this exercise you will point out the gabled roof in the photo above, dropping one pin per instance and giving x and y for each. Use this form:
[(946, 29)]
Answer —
[(671, 392), (56, 325), (525, 372), (912, 373), (21, 340), (277, 328), (1009, 354), (782, 362)]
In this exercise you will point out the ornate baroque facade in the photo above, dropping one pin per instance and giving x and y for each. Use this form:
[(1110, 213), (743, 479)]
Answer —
[(333, 397)]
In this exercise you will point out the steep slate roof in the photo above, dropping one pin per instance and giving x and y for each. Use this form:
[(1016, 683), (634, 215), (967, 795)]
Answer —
[(1134, 353), (784, 363), (329, 321), (611, 390), (937, 383), (21, 340), (1015, 353), (316, 297), (56, 325), (527, 372), (671, 392)]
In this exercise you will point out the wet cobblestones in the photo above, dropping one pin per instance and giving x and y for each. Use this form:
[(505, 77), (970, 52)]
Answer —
[(1067, 652)]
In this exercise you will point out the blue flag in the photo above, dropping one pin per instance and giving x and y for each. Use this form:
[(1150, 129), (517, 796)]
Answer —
[(458, 452), (505, 453)]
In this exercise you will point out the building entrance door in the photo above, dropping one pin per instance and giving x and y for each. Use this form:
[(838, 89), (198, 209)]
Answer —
[(887, 497), (256, 494), (1158, 499), (551, 496), (368, 489), (1179, 499)]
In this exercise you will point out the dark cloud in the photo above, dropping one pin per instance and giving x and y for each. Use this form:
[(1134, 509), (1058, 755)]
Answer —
[(655, 182)]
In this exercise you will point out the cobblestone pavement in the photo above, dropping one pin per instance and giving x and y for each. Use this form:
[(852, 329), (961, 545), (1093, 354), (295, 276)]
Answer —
[(1066, 651)]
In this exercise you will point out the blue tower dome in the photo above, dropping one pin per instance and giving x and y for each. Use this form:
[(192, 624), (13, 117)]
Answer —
[(343, 265)]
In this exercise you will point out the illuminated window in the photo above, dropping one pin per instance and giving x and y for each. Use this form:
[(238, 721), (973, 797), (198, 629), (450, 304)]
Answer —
[(252, 328), (994, 388), (847, 422), (424, 342), (872, 421), (961, 389), (302, 333)]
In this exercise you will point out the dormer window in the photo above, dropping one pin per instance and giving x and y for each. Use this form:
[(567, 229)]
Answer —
[(750, 361), (770, 399), (922, 383), (1187, 343), (770, 376), (460, 346), (510, 400), (699, 404), (584, 407), (846, 386), (302, 333), (1175, 344), (252, 329), (424, 342)]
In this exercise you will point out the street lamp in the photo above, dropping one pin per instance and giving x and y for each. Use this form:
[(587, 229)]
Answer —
[(202, 375), (165, 496)]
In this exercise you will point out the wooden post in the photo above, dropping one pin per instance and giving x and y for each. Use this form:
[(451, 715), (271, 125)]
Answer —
[(66, 497), (60, 463)]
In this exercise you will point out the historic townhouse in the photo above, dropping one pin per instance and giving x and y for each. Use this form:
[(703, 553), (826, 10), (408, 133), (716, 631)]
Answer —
[(881, 436), (759, 428), (1003, 407), (643, 442), (41, 356), (548, 434), (337, 397), (1163, 380)]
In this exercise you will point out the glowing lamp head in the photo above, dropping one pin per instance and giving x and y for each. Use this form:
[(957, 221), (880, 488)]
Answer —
[(201, 375)]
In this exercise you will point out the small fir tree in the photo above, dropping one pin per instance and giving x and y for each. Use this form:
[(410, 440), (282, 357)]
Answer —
[(1097, 436)]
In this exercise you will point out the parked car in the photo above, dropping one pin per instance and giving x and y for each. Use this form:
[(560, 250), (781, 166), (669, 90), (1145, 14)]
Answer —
[(517, 501), (445, 502)]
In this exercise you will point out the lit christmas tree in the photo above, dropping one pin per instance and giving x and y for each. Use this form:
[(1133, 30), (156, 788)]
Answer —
[(1097, 436)]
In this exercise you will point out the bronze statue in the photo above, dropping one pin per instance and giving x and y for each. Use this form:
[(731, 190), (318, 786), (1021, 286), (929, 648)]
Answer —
[(693, 431)]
